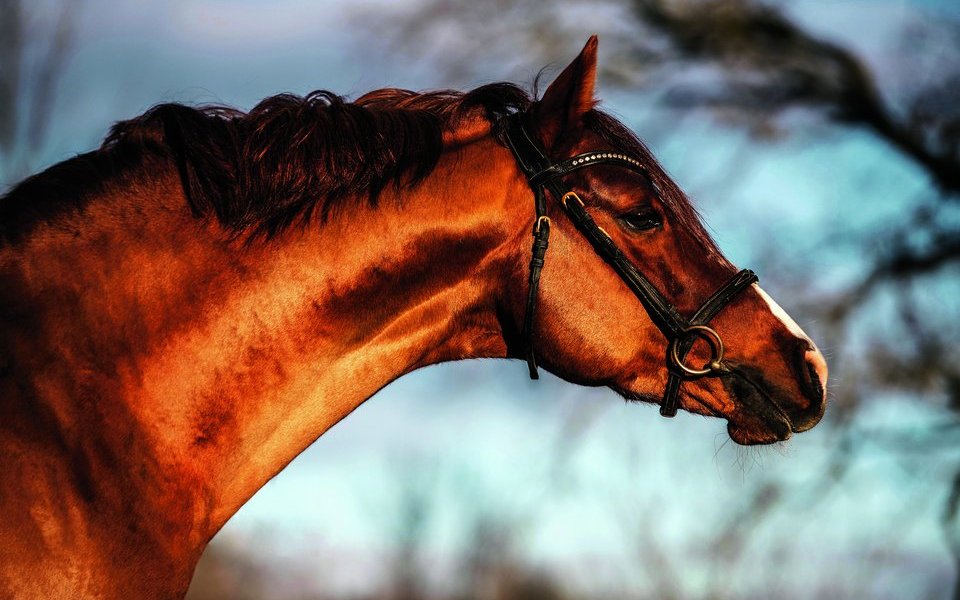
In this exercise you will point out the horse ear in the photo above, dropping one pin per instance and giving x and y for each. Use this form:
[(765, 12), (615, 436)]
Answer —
[(569, 97)]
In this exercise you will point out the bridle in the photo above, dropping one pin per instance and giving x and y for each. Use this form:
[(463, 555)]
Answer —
[(681, 332)]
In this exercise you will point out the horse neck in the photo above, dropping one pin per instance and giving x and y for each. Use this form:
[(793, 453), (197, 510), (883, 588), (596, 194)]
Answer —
[(187, 370), (311, 326), (328, 317)]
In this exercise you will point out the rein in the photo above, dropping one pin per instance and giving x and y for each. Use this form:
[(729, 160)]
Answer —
[(680, 332)]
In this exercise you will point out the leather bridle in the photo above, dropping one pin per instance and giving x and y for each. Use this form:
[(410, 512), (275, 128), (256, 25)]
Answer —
[(680, 332)]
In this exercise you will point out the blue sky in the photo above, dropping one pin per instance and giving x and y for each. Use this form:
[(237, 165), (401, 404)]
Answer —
[(484, 437)]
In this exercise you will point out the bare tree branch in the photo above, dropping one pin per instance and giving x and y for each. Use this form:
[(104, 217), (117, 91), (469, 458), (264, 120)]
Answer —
[(900, 264), (772, 64)]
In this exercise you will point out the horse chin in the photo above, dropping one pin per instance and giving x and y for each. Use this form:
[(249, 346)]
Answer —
[(757, 419), (757, 433)]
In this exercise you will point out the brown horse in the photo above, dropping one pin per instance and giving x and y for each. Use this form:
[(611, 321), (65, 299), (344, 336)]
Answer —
[(190, 306)]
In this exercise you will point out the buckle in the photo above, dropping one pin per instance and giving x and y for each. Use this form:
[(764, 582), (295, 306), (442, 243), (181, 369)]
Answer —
[(573, 195), (539, 222)]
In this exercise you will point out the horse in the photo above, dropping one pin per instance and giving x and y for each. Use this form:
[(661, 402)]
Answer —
[(188, 307)]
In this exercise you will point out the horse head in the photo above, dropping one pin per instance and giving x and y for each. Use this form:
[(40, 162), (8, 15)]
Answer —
[(620, 224)]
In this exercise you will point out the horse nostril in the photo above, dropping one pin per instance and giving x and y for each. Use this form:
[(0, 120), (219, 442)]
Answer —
[(812, 375), (808, 407), (816, 379), (816, 384)]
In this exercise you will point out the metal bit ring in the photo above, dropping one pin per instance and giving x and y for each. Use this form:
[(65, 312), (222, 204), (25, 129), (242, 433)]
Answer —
[(716, 346)]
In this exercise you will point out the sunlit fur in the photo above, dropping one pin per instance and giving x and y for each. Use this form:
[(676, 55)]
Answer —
[(189, 307)]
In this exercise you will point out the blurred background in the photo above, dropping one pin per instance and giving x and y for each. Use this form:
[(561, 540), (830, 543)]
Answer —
[(821, 141)]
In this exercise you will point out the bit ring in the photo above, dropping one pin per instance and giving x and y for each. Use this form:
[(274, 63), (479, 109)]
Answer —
[(716, 347)]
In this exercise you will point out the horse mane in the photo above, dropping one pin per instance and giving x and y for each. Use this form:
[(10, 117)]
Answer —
[(295, 159)]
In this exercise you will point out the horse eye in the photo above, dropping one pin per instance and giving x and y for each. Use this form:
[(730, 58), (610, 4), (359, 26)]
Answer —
[(643, 220)]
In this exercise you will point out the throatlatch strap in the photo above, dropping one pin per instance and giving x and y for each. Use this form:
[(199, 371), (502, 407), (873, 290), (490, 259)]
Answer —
[(531, 161), (541, 239)]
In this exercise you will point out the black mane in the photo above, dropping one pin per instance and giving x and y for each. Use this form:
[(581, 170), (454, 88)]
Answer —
[(292, 159)]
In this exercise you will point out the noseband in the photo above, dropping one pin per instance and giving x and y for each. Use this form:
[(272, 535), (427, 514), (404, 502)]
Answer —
[(681, 332)]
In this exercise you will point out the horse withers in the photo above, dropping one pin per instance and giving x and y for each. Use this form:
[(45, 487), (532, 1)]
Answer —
[(190, 306)]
